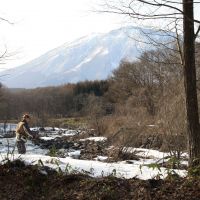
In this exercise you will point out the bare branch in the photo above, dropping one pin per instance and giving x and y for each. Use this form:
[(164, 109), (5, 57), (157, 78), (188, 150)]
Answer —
[(3, 19), (197, 33), (179, 45), (161, 5)]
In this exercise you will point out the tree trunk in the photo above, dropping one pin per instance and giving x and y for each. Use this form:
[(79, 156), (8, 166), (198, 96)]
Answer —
[(190, 84)]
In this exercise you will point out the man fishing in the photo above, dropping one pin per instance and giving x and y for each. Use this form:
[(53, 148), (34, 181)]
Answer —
[(23, 133)]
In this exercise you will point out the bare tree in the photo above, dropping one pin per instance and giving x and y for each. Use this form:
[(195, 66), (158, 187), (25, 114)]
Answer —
[(190, 82), (173, 11)]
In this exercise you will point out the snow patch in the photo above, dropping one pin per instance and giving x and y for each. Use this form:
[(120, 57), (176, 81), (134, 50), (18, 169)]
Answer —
[(146, 153), (97, 168), (46, 138), (70, 133), (97, 139), (75, 154)]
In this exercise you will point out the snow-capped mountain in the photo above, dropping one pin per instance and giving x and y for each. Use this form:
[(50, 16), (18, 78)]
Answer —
[(88, 58)]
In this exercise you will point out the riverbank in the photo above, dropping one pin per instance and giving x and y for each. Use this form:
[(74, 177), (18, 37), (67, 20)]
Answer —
[(19, 181)]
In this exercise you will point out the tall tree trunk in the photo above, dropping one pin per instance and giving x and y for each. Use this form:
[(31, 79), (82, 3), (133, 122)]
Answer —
[(190, 84)]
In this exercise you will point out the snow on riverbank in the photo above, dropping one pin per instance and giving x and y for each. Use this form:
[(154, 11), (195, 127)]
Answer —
[(97, 168), (147, 153)]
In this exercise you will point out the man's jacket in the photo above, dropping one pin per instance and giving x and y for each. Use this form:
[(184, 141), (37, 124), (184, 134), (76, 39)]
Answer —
[(23, 131)]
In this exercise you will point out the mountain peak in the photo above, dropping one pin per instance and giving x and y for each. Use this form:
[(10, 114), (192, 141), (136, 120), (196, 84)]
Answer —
[(92, 57)]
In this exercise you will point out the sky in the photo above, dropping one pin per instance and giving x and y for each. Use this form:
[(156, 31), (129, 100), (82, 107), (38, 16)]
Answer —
[(41, 25)]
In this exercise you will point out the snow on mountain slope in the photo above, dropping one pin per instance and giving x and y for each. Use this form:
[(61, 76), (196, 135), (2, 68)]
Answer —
[(89, 58)]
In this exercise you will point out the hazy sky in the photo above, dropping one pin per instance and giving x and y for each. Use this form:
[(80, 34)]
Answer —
[(41, 25)]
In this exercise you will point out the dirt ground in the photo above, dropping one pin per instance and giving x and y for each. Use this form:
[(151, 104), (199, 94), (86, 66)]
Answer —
[(20, 182)]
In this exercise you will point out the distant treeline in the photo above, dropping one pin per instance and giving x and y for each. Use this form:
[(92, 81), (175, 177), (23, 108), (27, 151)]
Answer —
[(63, 101)]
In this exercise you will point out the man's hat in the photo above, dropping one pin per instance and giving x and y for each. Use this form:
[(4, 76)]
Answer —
[(26, 116)]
